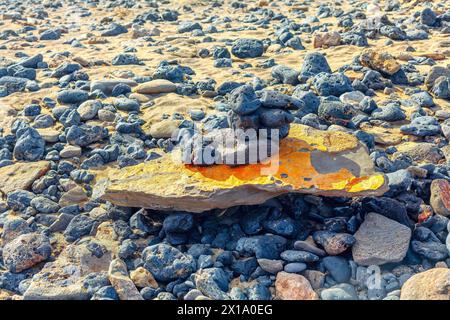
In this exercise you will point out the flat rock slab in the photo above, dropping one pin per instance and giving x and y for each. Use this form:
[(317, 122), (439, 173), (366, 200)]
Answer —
[(380, 240), (63, 278), (21, 175), (311, 161)]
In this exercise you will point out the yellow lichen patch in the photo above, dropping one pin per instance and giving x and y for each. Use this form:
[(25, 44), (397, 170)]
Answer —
[(323, 140), (370, 183)]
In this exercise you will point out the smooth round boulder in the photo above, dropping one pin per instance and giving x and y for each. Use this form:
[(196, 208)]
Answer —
[(155, 87)]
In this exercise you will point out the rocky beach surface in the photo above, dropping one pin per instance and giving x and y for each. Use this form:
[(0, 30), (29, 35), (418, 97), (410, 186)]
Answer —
[(94, 95)]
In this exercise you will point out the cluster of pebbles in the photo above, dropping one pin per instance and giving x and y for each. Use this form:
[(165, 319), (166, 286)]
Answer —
[(253, 120)]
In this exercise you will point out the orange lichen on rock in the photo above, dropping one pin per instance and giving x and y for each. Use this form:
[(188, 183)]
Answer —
[(309, 161)]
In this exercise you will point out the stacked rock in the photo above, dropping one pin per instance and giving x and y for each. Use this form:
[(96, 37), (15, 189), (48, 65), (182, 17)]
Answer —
[(248, 111), (252, 120)]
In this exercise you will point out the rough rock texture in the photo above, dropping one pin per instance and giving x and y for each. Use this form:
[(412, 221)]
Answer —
[(63, 278), (379, 61), (142, 278), (332, 164), (118, 276), (435, 73), (380, 240), (25, 251), (432, 284), (440, 197), (21, 175), (326, 39), (290, 286)]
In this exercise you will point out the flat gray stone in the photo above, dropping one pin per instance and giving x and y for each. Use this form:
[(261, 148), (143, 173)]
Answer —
[(380, 240)]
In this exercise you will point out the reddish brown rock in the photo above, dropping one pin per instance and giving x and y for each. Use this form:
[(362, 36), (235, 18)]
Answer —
[(326, 39), (291, 286), (75, 195), (440, 197), (334, 243)]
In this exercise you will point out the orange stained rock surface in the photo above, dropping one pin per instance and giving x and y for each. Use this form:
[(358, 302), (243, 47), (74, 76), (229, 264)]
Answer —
[(444, 187), (296, 170)]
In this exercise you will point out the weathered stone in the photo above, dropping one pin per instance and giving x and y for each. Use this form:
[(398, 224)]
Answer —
[(290, 286), (379, 61), (312, 161), (26, 251), (440, 197), (353, 97), (75, 195), (309, 246), (163, 129), (380, 240), (143, 278), (106, 115), (156, 86), (343, 291), (21, 175), (326, 39), (383, 136), (334, 243), (89, 109), (420, 152), (315, 278), (435, 73), (13, 227), (431, 250), (7, 116), (124, 286), (433, 284), (63, 278), (213, 283), (167, 263), (271, 266)]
